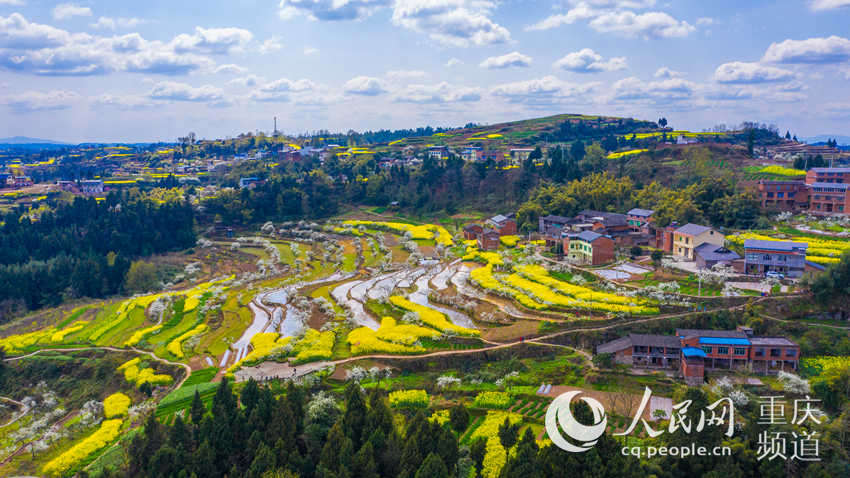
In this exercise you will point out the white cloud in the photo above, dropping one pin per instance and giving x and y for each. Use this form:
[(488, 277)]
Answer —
[(230, 69), (164, 62), (109, 23), (663, 91), (705, 21), (123, 102), (453, 62), (13, 3), (459, 23), (218, 41), (648, 25), (400, 75), (514, 59), (365, 86), (588, 61), (282, 90), (63, 11), (542, 90), (612, 16), (665, 73), (821, 5), (16, 32), (330, 10), (833, 49), (744, 73), (174, 91), (308, 50), (33, 101), (440, 93), (270, 45), (249, 81)]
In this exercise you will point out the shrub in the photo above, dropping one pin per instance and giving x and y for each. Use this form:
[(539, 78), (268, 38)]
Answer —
[(409, 399), (116, 405), (496, 400)]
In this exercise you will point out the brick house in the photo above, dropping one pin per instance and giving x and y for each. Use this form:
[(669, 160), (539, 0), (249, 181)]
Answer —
[(690, 236), (692, 351), (472, 231), (488, 240), (589, 247), (505, 224), (824, 191), (550, 227)]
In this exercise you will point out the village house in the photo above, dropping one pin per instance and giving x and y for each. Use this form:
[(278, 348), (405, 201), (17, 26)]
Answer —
[(472, 231), (824, 191), (504, 224), (438, 152), (709, 255), (19, 182), (588, 247), (692, 351), (520, 155), (690, 236), (488, 240), (640, 220), (788, 258), (550, 228), (471, 154), (91, 187)]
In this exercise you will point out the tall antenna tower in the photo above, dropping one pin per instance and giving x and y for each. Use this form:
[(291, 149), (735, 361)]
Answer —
[(275, 125)]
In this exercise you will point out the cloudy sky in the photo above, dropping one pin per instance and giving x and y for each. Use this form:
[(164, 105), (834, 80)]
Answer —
[(97, 70)]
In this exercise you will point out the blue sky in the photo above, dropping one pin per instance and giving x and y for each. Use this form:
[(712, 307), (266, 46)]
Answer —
[(155, 70)]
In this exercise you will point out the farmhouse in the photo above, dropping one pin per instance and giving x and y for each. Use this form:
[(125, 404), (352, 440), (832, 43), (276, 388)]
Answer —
[(640, 220), (825, 191), (690, 236), (692, 351), (589, 247), (708, 255), (472, 231), (488, 240), (505, 224), (761, 257)]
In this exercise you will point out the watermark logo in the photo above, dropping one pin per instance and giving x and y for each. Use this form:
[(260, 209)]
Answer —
[(560, 416)]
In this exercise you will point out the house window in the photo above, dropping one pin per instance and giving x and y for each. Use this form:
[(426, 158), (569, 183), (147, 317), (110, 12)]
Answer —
[(740, 351), (766, 257), (790, 353), (759, 352), (723, 350), (706, 349), (775, 352)]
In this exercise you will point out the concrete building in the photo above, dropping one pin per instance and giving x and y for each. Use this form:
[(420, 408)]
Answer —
[(640, 220), (693, 351), (788, 258), (690, 236), (825, 191), (588, 247)]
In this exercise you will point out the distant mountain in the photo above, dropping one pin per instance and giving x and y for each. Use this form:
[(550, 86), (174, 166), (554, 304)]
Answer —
[(843, 140), (26, 140)]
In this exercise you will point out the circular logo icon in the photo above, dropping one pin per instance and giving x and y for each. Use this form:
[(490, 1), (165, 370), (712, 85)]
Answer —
[(560, 416)]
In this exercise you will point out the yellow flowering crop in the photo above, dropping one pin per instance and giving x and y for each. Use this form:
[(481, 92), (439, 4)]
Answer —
[(483, 277), (626, 153), (116, 405), (60, 335), (782, 171), (509, 241), (176, 345), (314, 346), (140, 334), (108, 431), (423, 232), (409, 399), (499, 400), (264, 344), (431, 317), (389, 338), (440, 417), (495, 456)]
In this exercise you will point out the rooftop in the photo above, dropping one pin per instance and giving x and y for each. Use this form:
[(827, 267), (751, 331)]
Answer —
[(558, 219), (768, 341), (641, 212), (723, 341), (713, 252), (692, 229), (586, 236), (831, 170), (710, 333), (830, 185), (614, 346), (783, 246), (693, 352)]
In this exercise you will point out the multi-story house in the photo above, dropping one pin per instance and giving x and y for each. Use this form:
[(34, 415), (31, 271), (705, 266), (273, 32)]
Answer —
[(550, 227), (472, 231), (438, 152), (519, 155), (690, 236), (640, 220), (761, 257), (471, 153), (488, 240), (588, 247), (825, 191), (692, 351), (504, 224)]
